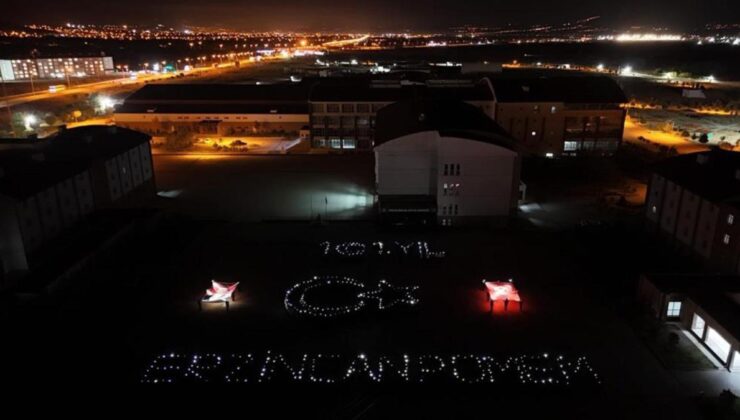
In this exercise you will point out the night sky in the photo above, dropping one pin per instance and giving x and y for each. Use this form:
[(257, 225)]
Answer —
[(370, 14)]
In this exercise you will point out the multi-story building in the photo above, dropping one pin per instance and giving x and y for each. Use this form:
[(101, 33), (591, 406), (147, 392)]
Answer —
[(217, 110), (562, 115), (548, 116), (443, 162), (49, 185), (694, 201), (343, 111), (55, 68), (706, 306)]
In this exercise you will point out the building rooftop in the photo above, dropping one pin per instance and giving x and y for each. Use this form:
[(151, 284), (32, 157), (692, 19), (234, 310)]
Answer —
[(390, 90), (30, 168), (449, 118), (212, 108), (714, 175), (582, 89), (221, 93)]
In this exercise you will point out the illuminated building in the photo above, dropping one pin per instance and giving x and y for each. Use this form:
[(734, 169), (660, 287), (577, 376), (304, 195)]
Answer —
[(554, 116), (220, 110), (444, 163), (55, 68), (47, 186), (693, 201), (706, 306), (343, 110), (547, 116)]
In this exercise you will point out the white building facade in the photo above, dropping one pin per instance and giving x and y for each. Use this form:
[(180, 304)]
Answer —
[(448, 176)]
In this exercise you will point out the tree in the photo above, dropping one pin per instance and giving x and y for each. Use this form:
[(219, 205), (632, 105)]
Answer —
[(179, 139), (18, 125)]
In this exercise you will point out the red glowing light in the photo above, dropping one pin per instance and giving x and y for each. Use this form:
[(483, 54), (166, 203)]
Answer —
[(502, 290)]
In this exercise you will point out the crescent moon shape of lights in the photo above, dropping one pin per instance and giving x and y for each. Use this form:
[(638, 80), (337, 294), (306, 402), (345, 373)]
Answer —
[(385, 295)]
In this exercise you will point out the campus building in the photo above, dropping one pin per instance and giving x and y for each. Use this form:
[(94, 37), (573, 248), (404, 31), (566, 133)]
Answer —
[(217, 110), (343, 111), (55, 68), (547, 116), (47, 186), (444, 162), (706, 306), (561, 115), (693, 202)]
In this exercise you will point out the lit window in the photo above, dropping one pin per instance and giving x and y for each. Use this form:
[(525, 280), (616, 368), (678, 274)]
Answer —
[(697, 326), (726, 239), (717, 344), (735, 366), (570, 146), (674, 309), (553, 110), (730, 219), (655, 209)]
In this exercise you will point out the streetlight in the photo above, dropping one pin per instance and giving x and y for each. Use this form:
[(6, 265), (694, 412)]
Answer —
[(29, 120)]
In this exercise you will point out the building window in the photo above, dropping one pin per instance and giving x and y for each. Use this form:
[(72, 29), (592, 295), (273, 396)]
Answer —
[(349, 143), (348, 108), (570, 146), (726, 239), (444, 188), (335, 143), (697, 325), (730, 219), (553, 109), (674, 309), (455, 209), (457, 169), (717, 344), (446, 171), (332, 107), (654, 209)]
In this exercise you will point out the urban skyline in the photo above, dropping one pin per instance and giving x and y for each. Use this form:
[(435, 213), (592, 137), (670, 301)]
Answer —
[(376, 15)]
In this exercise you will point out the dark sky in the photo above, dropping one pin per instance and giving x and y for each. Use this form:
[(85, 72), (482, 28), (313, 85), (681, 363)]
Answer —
[(370, 14)]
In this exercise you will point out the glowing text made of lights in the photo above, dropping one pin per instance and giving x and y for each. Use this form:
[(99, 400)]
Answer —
[(354, 249), (298, 299), (543, 369)]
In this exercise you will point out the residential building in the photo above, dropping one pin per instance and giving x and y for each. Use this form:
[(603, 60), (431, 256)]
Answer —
[(55, 68)]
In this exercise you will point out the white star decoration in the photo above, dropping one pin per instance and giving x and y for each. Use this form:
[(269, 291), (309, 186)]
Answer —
[(388, 295)]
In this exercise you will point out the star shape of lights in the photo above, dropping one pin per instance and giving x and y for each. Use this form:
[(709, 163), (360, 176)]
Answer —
[(388, 295)]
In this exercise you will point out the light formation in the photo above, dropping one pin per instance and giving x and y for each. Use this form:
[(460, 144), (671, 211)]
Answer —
[(541, 369), (355, 249), (298, 299)]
